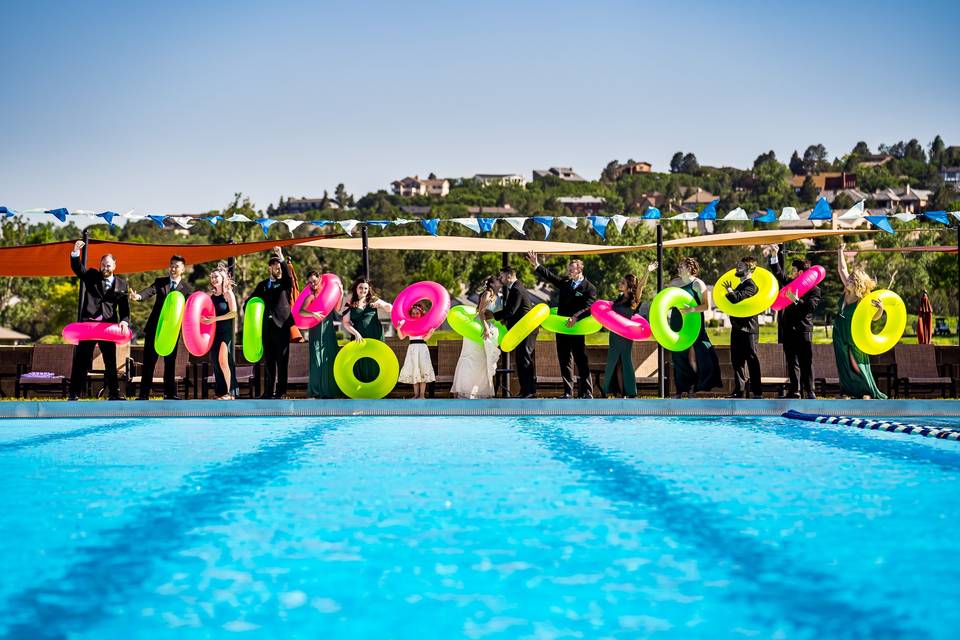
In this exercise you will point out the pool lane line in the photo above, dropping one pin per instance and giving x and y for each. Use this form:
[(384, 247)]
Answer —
[(877, 425), (811, 605), (60, 436), (108, 572)]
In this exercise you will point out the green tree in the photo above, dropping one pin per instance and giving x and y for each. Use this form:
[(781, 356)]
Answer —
[(796, 164), (814, 158), (809, 191), (676, 162), (938, 152)]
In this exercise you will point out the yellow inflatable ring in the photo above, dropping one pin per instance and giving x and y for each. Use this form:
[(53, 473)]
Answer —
[(377, 388), (895, 321), (524, 327), (767, 291)]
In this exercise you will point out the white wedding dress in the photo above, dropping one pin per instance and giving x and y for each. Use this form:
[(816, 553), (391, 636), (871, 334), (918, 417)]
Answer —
[(473, 377)]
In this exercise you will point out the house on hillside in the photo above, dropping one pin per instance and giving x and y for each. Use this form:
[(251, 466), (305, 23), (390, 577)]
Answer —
[(875, 160), (583, 205), (564, 173), (415, 186), (951, 176), (501, 179), (903, 199), (695, 197), (301, 205), (828, 181), (631, 168)]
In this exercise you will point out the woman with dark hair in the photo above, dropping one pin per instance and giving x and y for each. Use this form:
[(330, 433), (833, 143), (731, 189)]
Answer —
[(697, 368), (620, 351), (473, 375), (323, 345), (221, 353), (361, 321)]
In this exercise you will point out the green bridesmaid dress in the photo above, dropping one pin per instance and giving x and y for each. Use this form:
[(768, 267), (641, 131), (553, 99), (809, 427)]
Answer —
[(854, 383), (367, 324), (323, 351)]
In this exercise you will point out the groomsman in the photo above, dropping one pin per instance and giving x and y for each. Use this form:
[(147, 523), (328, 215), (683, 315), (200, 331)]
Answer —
[(745, 333), (173, 281), (516, 303), (576, 294), (275, 292), (104, 300), (795, 327)]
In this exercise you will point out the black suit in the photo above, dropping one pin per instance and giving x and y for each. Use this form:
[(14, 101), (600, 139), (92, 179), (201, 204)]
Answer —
[(795, 333), (743, 342), (516, 303), (574, 301), (101, 303), (159, 290), (277, 320)]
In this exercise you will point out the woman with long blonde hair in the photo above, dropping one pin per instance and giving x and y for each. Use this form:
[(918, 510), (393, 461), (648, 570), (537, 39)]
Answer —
[(225, 306), (853, 365)]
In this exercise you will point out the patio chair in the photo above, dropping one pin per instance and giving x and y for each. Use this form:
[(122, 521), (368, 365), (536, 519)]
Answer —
[(915, 365), (773, 367), (826, 378), (48, 372), (182, 376)]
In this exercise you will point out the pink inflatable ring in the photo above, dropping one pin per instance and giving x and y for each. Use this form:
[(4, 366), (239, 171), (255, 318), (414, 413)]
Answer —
[(105, 331), (635, 328), (439, 300), (198, 337), (326, 300), (799, 286)]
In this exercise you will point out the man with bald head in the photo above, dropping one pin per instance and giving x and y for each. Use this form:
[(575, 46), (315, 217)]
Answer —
[(104, 300)]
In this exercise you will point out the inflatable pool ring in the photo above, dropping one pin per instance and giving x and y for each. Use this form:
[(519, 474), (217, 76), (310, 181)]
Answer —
[(439, 300), (524, 327), (74, 332), (348, 356), (767, 290), (558, 324), (253, 330), (895, 314), (799, 286), (198, 337), (463, 319), (665, 301), (326, 300), (168, 326), (634, 328)]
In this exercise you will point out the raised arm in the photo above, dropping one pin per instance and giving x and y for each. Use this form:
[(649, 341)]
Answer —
[(645, 277), (842, 265), (75, 259)]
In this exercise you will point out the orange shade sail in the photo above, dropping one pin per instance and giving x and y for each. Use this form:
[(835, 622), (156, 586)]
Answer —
[(53, 259)]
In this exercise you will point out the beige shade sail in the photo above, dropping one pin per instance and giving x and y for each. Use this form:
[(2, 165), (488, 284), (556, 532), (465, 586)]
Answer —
[(495, 245)]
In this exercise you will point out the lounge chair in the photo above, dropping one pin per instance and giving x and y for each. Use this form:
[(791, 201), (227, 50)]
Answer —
[(49, 371), (915, 365), (773, 367)]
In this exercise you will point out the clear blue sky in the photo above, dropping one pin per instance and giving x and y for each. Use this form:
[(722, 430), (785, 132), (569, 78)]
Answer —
[(174, 106)]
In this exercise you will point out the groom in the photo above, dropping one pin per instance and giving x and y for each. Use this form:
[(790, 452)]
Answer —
[(516, 303)]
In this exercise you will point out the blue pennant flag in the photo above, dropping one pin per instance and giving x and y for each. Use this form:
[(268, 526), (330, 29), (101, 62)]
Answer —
[(769, 216), (486, 224), (213, 220), (599, 224), (652, 213), (60, 214), (821, 211), (158, 220), (321, 223), (710, 211), (546, 222), (265, 224), (108, 216), (430, 224), (882, 223), (7, 212), (937, 216), (378, 223)]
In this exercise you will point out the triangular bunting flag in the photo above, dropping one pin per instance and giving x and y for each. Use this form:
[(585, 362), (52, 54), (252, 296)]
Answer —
[(882, 223), (185, 222), (599, 224), (486, 224), (685, 215), (737, 214), (937, 216), (401, 221), (618, 221), (769, 216), (158, 220), (430, 224), (265, 224), (789, 213), (213, 220), (108, 216), (710, 211), (60, 214), (238, 217), (546, 222), (383, 224), (7, 212), (293, 224), (321, 223), (516, 223), (568, 221), (905, 217), (348, 226), (821, 211), (853, 213), (470, 223), (652, 213)]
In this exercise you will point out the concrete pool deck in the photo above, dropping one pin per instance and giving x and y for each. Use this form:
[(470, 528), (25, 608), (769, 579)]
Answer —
[(493, 407)]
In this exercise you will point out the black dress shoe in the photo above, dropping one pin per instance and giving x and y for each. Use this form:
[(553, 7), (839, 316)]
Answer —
[(116, 399), (565, 396), (588, 396), (143, 398), (735, 396), (172, 398), (530, 396), (72, 399)]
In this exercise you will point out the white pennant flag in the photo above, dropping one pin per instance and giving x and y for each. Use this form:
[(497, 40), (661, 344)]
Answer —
[(185, 222), (955, 214), (348, 226), (905, 217), (238, 217), (516, 223), (469, 223), (789, 213), (400, 221), (293, 224), (737, 214), (853, 213), (570, 221), (618, 221), (135, 216), (686, 215)]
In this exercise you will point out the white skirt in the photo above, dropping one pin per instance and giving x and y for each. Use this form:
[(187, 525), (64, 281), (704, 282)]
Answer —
[(416, 365), (473, 377)]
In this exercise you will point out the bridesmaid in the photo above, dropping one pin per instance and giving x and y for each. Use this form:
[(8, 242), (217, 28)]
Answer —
[(697, 368), (323, 345), (360, 320), (221, 353), (620, 352), (853, 365)]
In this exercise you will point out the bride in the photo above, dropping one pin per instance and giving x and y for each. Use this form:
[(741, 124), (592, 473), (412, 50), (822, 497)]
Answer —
[(473, 377)]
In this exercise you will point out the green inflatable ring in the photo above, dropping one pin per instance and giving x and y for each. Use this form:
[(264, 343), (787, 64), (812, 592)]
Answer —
[(384, 356), (524, 327), (463, 319), (558, 324), (665, 301), (253, 329), (168, 326)]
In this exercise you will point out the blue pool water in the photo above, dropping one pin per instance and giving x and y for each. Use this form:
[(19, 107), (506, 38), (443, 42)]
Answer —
[(475, 527)]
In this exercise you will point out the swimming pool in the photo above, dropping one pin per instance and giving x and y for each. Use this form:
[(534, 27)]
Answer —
[(501, 527)]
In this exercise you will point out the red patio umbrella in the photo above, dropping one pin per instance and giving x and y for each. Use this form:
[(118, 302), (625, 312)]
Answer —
[(924, 320)]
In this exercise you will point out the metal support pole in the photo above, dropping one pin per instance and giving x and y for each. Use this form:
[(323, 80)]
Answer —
[(83, 266), (958, 283), (366, 250), (661, 361), (505, 263)]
